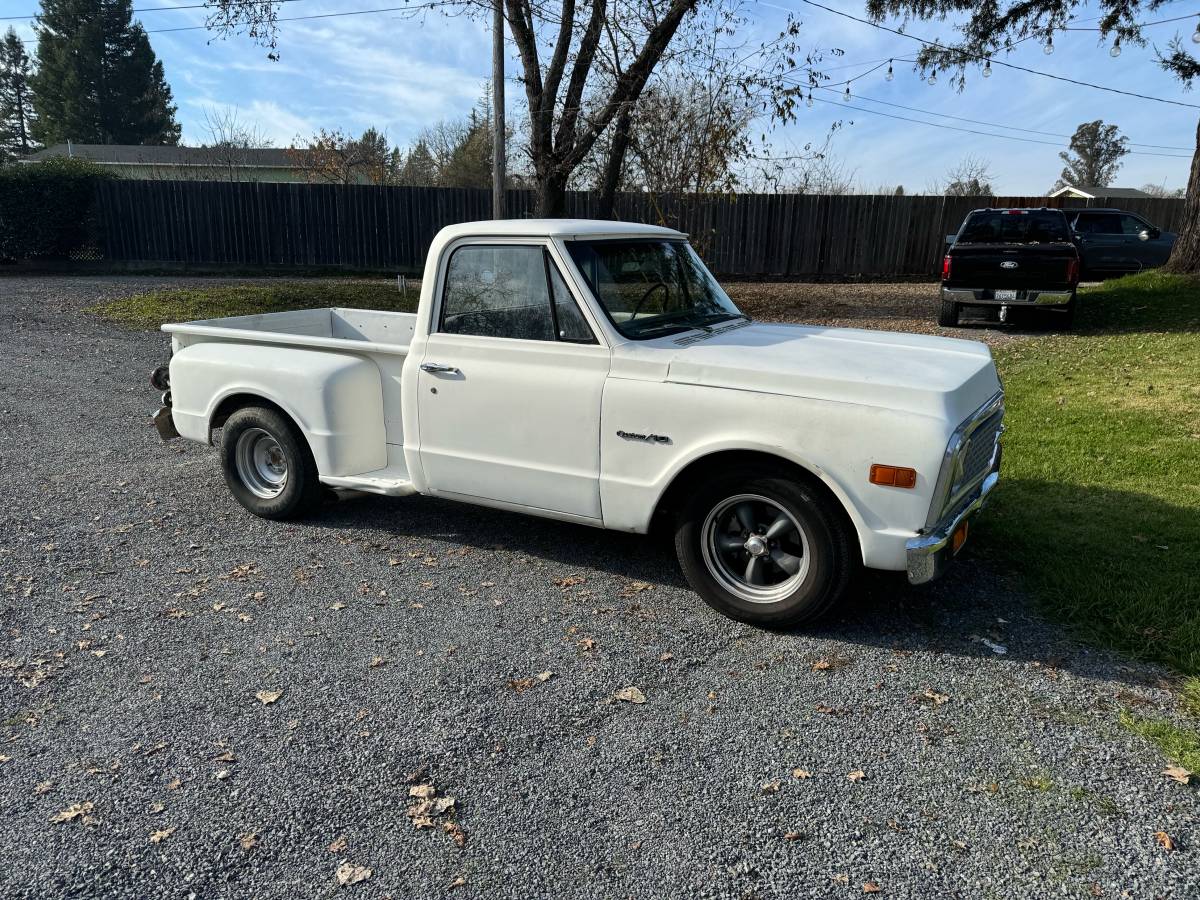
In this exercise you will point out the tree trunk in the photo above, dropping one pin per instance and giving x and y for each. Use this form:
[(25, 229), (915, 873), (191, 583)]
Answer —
[(552, 194), (1185, 256), (613, 166)]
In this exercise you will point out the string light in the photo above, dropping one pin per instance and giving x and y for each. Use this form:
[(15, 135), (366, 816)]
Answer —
[(1049, 48), (1196, 34), (846, 96), (932, 79), (987, 69), (1116, 49), (809, 101), (890, 76)]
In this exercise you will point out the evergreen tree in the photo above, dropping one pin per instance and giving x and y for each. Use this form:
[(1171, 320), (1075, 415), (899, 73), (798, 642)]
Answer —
[(98, 80), (16, 101), (420, 168)]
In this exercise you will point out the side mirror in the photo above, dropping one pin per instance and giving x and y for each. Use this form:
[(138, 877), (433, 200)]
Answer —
[(1145, 235), (950, 238)]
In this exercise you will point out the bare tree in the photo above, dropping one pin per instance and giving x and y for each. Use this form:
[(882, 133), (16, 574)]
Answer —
[(230, 143), (585, 65), (972, 177), (1161, 191)]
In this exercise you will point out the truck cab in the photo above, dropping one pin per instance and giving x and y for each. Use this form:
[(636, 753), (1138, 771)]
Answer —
[(597, 373)]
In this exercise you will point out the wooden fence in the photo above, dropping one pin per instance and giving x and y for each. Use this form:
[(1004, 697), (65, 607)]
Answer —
[(364, 227)]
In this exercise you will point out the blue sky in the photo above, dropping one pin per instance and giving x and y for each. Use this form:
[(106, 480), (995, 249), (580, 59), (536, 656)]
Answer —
[(401, 74)]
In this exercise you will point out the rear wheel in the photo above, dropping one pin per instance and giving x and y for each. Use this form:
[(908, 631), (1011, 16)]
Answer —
[(948, 315), (764, 548), (1066, 318), (268, 465)]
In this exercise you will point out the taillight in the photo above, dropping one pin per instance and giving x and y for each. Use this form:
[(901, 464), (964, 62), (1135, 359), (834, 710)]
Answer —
[(946, 268), (1072, 270)]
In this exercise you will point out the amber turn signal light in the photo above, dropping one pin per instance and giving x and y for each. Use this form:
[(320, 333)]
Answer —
[(893, 476)]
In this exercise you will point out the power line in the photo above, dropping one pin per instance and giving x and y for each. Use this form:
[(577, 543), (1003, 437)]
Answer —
[(145, 9), (998, 62), (1006, 137), (412, 7), (930, 112)]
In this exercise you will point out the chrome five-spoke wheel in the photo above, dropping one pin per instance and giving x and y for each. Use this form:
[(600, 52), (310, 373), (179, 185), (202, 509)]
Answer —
[(755, 548), (261, 463)]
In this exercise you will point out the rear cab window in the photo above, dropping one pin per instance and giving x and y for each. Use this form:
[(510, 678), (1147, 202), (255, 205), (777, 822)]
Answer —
[(1006, 226)]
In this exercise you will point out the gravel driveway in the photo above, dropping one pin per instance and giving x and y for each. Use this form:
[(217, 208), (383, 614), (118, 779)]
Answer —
[(199, 703)]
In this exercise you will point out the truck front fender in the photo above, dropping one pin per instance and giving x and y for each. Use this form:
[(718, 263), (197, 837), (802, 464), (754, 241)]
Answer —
[(335, 399)]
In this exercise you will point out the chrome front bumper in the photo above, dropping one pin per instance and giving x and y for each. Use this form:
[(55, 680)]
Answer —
[(1031, 298), (929, 553)]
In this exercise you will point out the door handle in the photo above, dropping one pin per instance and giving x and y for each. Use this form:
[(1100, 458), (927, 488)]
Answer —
[(438, 367)]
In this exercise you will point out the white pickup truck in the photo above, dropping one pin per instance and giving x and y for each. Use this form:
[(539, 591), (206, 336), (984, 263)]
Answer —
[(595, 372)]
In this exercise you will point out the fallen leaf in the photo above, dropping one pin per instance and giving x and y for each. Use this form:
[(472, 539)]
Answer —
[(801, 773), (348, 873), (857, 775), (268, 697), (635, 587), (1165, 839), (871, 887), (771, 787), (74, 811), (457, 882), (43, 787), (174, 784), (1179, 773), (337, 604), (377, 661), (521, 685), (841, 878), (585, 644), (456, 833), (569, 581), (157, 837), (822, 665), (630, 695), (422, 791), (155, 808), (248, 841), (938, 699), (793, 836), (666, 656), (339, 844), (227, 756), (222, 774)]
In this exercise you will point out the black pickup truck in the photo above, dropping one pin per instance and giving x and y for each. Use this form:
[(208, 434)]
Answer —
[(1011, 258)]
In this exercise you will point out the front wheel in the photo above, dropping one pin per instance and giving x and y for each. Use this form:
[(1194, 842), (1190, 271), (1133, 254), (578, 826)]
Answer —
[(764, 548), (268, 465)]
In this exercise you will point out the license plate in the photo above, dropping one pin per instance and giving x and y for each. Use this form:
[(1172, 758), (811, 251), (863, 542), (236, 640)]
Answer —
[(1006, 295)]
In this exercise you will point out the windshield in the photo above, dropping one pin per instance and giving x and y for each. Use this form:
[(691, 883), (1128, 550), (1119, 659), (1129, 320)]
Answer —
[(651, 288), (1014, 227)]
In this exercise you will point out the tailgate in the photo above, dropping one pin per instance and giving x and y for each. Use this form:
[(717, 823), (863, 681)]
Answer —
[(1038, 266)]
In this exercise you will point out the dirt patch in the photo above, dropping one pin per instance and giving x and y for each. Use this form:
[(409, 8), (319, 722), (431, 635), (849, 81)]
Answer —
[(911, 307)]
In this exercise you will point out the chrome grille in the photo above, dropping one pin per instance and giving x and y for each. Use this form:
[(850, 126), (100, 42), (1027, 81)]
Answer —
[(979, 449)]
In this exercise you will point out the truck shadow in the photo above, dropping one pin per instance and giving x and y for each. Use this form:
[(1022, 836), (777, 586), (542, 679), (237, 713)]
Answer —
[(976, 611)]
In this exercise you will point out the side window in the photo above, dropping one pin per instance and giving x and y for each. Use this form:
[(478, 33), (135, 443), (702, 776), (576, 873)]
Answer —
[(497, 292), (1106, 223), (1132, 225), (572, 326)]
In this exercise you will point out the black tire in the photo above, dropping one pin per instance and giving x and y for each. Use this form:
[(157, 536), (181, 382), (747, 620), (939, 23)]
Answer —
[(948, 314), (299, 492), (831, 557), (1066, 318)]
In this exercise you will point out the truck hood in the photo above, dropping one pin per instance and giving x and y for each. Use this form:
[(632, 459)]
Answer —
[(933, 376)]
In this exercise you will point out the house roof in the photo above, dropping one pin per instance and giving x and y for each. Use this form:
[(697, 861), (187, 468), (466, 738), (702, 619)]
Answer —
[(1093, 192), (138, 155)]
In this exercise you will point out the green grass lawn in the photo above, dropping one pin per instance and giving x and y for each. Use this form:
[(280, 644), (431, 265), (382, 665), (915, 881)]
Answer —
[(212, 301), (1099, 506)]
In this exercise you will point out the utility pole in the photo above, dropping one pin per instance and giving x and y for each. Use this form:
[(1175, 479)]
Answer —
[(498, 158)]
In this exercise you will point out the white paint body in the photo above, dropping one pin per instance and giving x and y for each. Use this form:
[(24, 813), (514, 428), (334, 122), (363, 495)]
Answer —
[(533, 425)]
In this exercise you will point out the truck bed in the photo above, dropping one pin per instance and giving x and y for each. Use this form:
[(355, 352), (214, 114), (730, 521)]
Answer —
[(329, 327)]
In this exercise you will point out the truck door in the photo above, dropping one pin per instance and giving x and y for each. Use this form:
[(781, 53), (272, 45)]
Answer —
[(1150, 252), (510, 384)]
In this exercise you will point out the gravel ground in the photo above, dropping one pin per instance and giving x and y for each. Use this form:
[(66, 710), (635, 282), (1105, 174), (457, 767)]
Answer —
[(937, 742)]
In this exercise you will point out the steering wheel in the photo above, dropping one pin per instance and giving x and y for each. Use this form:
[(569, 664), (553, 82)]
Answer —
[(637, 307)]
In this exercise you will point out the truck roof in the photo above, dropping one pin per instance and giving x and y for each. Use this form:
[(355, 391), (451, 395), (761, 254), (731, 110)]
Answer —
[(560, 228)]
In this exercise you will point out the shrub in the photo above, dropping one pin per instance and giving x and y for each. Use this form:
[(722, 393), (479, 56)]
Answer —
[(47, 208)]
